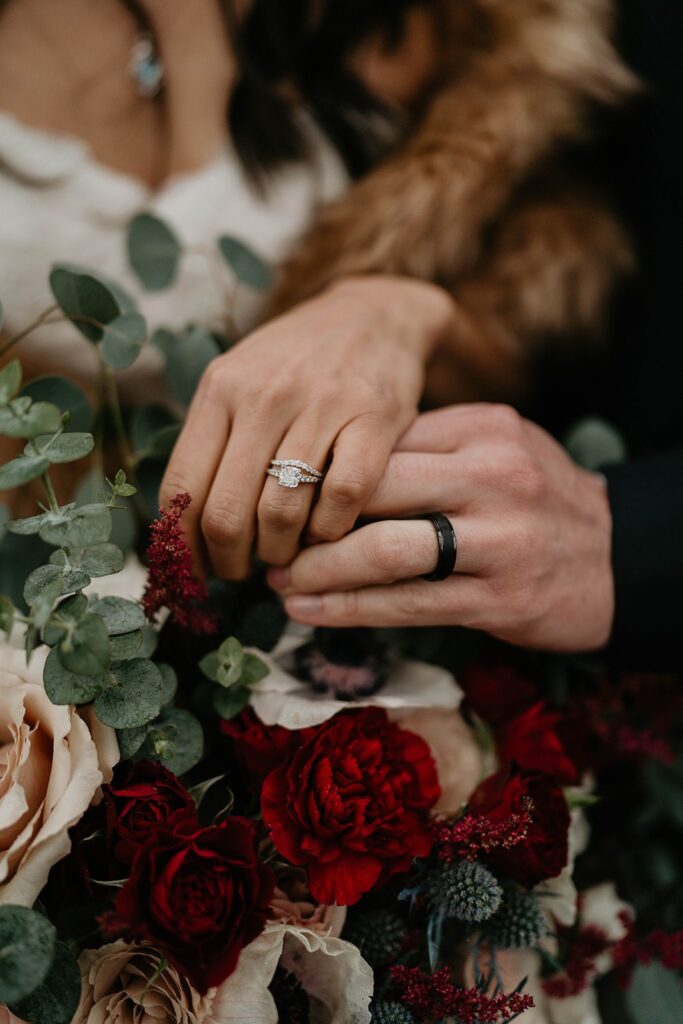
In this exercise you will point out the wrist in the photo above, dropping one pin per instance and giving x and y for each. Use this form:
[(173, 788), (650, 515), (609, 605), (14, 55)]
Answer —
[(422, 314)]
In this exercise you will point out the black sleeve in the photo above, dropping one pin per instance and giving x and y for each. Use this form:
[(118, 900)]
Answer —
[(646, 498)]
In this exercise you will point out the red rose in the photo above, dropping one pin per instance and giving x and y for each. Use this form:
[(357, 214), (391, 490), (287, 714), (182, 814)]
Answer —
[(260, 748), (540, 740), (544, 850), (496, 691), (148, 797), (198, 898), (352, 804)]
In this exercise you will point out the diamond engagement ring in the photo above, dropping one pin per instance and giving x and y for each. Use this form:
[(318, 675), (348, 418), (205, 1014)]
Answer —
[(292, 472)]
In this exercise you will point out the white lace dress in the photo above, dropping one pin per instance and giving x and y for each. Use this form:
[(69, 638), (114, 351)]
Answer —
[(58, 204)]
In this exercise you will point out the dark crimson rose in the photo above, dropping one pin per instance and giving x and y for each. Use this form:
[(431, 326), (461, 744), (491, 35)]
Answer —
[(260, 748), (147, 797), (541, 740), (199, 898), (352, 804), (544, 850), (496, 691)]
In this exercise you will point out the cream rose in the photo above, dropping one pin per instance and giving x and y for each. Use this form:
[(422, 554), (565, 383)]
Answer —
[(51, 768)]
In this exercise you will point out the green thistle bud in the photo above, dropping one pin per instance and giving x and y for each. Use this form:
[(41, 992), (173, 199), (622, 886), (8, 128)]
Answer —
[(379, 934), (519, 923), (468, 892), (391, 1013)]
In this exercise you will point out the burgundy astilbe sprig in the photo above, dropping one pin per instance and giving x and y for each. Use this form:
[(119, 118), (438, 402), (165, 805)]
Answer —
[(170, 581), (473, 835), (580, 969), (434, 996)]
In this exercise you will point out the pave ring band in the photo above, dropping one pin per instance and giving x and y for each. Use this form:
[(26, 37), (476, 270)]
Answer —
[(448, 546), (292, 472)]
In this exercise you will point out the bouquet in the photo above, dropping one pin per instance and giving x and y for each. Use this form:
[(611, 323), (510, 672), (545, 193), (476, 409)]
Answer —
[(209, 816)]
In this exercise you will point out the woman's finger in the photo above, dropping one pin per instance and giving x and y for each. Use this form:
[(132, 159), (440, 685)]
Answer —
[(193, 464), (229, 516), (418, 482), (379, 553), (283, 511), (359, 458), (460, 600)]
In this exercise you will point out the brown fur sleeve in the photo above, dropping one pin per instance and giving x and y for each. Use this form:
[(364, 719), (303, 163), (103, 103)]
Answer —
[(424, 212)]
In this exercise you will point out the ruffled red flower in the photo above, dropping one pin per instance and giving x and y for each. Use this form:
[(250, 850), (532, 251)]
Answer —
[(544, 851), (261, 748), (352, 805), (198, 898), (146, 798), (541, 740), (496, 691)]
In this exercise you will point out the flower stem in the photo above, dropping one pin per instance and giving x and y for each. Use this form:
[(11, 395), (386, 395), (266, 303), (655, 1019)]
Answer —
[(40, 321)]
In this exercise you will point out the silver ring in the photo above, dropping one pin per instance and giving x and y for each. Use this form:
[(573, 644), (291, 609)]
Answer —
[(292, 472)]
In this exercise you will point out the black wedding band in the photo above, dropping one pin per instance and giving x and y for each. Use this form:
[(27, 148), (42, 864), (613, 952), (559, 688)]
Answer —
[(448, 546)]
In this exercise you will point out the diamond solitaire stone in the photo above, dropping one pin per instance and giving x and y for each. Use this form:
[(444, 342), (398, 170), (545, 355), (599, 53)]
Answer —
[(290, 476)]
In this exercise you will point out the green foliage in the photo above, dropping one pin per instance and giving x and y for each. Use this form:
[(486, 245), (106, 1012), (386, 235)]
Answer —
[(153, 251), (132, 696), (655, 996), (175, 739), (187, 354), (231, 665), (229, 703), (27, 948), (65, 687), (465, 891), (120, 615), (55, 1000), (61, 447), (6, 614), (10, 381), (594, 443), (67, 396), (123, 339), (246, 265), (22, 470)]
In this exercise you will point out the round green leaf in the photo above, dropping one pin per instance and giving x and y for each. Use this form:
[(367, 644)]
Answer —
[(65, 448), (6, 614), (120, 615), (27, 946), (254, 669), (80, 527), (130, 741), (22, 469), (88, 652), (64, 687), (245, 264), (230, 659), (187, 356), (21, 418), (10, 381), (127, 645), (39, 579), (169, 683), (123, 339), (154, 251), (102, 560), (176, 739), (81, 295), (66, 396), (70, 611), (34, 524), (56, 1000), (229, 703), (133, 697)]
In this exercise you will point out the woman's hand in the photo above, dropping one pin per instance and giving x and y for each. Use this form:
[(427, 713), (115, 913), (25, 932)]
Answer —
[(339, 376), (533, 531)]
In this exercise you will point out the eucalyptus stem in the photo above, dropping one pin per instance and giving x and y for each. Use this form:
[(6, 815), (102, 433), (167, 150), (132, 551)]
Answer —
[(111, 393), (50, 491), (40, 321)]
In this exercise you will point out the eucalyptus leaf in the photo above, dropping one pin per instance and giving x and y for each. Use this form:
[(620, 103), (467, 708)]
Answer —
[(245, 264), (133, 697), (187, 354), (67, 396), (102, 560), (127, 645), (65, 687), (594, 443), (254, 669), (229, 703), (169, 683), (69, 612), (130, 741), (27, 948), (41, 607), (65, 448), (85, 299), (10, 381), (209, 665), (6, 614), (80, 527), (123, 340), (56, 1000), (154, 251), (21, 470), (86, 652), (230, 660), (40, 578), (20, 420), (34, 524), (176, 739), (120, 615)]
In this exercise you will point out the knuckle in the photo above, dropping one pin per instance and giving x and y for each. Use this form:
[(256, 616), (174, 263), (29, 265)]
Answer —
[(387, 554), (174, 482), (350, 488), (525, 474), (350, 606), (222, 523), (279, 515), (507, 420)]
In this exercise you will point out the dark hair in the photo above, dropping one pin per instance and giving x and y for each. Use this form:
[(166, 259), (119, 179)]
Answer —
[(282, 42)]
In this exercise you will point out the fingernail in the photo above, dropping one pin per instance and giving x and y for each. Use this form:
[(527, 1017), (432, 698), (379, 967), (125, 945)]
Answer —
[(279, 579), (304, 604)]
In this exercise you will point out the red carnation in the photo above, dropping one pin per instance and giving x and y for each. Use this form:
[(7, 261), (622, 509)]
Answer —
[(198, 898), (261, 748), (544, 851), (352, 804), (496, 691), (541, 740), (148, 797)]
